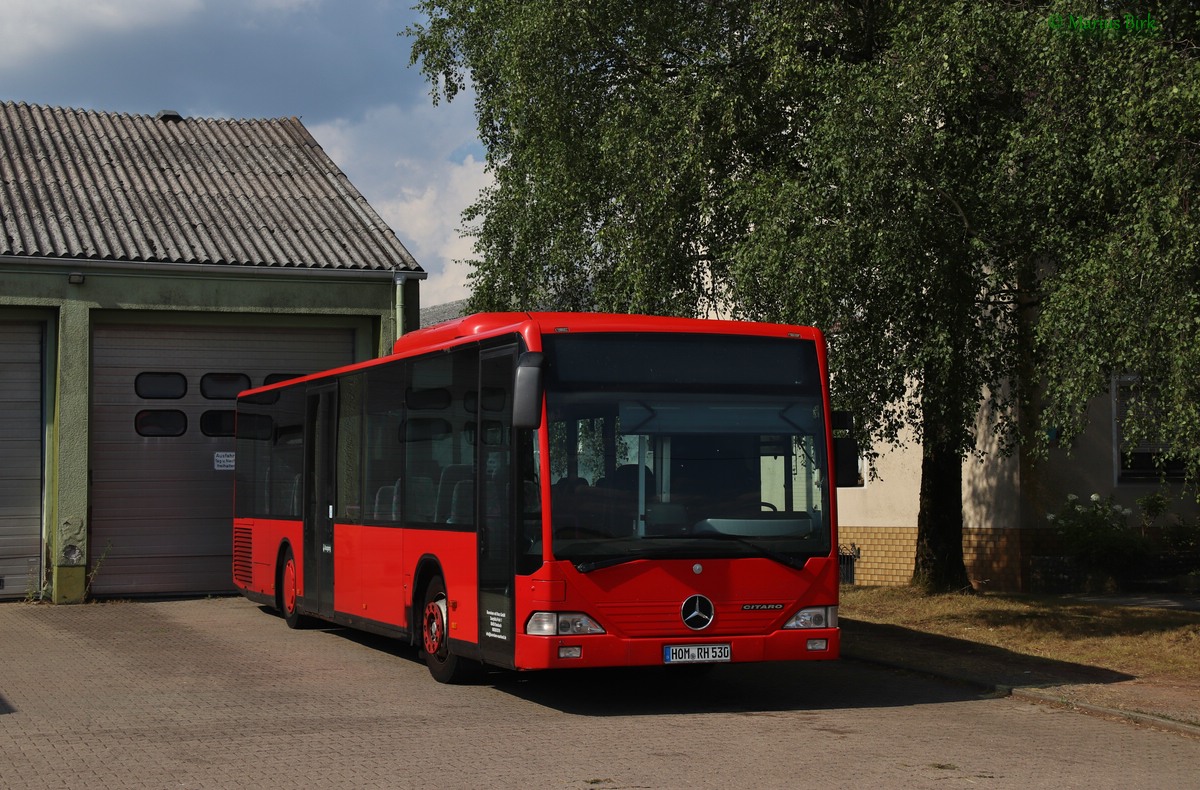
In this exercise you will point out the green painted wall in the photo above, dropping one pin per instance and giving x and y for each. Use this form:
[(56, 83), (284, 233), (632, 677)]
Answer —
[(377, 309)]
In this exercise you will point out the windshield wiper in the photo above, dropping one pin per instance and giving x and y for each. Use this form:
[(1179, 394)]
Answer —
[(762, 551), (608, 562), (642, 553), (674, 552)]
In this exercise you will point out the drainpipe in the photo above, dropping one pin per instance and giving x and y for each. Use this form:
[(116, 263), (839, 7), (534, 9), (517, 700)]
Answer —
[(407, 302)]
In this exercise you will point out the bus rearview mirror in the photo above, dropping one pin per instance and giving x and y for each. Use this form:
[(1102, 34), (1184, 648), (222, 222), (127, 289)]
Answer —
[(845, 450), (527, 390)]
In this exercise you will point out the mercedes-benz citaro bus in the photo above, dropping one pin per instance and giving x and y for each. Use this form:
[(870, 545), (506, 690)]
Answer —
[(552, 490)]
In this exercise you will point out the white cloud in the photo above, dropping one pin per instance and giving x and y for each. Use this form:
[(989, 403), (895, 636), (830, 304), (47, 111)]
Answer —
[(38, 29), (429, 216), (338, 65), (408, 162), (282, 5)]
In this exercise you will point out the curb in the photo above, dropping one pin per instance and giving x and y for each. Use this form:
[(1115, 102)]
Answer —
[(1043, 697), (1147, 719)]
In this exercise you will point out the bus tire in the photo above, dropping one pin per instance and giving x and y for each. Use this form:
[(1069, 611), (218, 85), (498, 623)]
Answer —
[(286, 585), (444, 665)]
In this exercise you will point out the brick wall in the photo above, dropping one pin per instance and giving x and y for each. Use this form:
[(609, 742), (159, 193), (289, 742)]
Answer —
[(996, 559), (993, 558), (887, 553)]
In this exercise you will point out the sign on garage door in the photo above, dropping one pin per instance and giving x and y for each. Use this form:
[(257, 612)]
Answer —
[(21, 426), (162, 446)]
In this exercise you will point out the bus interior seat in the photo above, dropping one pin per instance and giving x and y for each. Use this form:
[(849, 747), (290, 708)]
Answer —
[(385, 499), (451, 476), (625, 478), (297, 497), (417, 492), (462, 503)]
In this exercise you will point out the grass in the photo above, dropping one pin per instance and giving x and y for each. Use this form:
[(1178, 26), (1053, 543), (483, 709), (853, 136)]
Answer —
[(1143, 642)]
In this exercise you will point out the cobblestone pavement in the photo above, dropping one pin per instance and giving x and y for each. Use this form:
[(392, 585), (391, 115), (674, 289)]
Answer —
[(218, 693)]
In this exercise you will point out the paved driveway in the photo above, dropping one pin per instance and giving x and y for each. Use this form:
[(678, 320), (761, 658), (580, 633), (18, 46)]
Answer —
[(218, 693)]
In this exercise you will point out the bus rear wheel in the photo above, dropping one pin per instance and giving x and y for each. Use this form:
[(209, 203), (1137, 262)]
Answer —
[(286, 596), (445, 666)]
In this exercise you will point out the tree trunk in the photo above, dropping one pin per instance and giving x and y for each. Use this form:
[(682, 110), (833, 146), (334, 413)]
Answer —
[(939, 565)]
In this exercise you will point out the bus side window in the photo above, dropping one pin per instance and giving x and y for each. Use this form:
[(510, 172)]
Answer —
[(350, 449), (419, 496), (383, 450)]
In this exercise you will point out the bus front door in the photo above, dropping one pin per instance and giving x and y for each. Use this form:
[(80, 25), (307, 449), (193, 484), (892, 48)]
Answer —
[(497, 521)]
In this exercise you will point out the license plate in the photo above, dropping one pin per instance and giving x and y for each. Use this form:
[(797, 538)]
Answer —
[(695, 654)]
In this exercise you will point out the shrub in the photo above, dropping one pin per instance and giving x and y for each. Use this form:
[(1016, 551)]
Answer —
[(1098, 536), (1181, 537), (1175, 535)]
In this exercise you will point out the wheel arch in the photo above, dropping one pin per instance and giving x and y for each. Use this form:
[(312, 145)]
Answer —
[(428, 566)]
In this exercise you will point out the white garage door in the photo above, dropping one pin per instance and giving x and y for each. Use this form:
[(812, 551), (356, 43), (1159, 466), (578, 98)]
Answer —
[(20, 458), (162, 446)]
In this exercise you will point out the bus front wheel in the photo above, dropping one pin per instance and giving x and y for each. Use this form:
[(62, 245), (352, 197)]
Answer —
[(445, 666)]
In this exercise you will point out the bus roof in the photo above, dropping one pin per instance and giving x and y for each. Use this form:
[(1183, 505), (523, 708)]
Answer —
[(481, 325)]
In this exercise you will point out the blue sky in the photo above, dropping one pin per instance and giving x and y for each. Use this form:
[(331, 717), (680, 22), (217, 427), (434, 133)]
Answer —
[(338, 65)]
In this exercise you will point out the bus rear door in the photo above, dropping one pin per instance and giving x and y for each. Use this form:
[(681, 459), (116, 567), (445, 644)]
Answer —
[(320, 441)]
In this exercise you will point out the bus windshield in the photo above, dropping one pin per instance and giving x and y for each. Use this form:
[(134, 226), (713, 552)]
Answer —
[(685, 446)]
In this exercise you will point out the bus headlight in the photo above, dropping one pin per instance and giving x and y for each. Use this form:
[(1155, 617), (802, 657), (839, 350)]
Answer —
[(816, 617), (561, 623)]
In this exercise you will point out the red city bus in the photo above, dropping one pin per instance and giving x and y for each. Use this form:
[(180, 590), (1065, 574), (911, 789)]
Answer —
[(544, 490)]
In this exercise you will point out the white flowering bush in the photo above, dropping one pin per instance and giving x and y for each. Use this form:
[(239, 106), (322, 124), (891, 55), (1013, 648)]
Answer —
[(1098, 535)]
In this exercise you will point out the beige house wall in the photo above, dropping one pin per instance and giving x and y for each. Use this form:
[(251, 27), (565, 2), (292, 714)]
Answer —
[(1005, 504), (880, 519), (1091, 467)]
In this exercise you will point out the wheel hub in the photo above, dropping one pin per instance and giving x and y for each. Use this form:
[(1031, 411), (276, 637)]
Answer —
[(435, 626)]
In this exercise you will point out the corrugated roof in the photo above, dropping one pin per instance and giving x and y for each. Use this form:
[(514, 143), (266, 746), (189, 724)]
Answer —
[(119, 187), (448, 311)]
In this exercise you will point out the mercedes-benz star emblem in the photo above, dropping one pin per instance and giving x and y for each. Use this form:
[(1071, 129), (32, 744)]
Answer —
[(697, 612)]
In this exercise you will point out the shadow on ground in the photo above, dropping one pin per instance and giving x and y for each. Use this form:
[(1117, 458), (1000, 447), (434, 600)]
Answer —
[(885, 666), (969, 661), (1098, 616), (734, 689), (741, 689)]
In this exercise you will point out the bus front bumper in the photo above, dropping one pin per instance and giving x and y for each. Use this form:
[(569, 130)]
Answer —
[(607, 650)]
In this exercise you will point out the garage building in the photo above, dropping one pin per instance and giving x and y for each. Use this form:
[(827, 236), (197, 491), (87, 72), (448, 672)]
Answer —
[(151, 267)]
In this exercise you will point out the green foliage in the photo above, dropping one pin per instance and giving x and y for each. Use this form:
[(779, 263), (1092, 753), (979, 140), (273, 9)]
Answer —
[(1180, 536), (607, 127), (1097, 534), (1170, 533), (894, 228), (986, 210), (1114, 213)]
